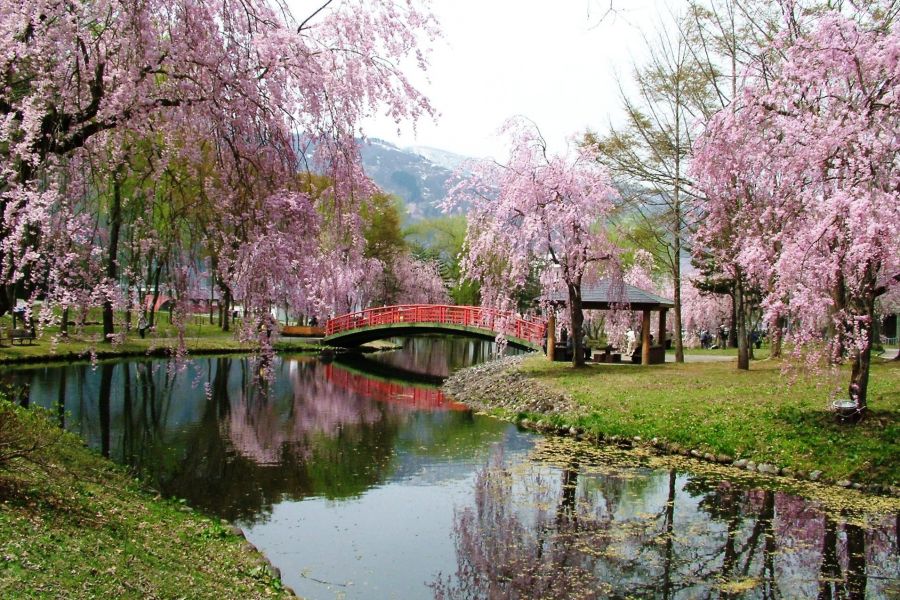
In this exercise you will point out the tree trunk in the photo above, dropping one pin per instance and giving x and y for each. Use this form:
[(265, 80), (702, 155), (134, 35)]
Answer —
[(112, 257), (676, 322), (776, 339), (155, 299), (576, 318), (732, 341), (551, 335), (859, 375), (226, 303), (739, 313), (676, 237)]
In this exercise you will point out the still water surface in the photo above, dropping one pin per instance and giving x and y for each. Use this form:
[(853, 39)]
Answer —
[(358, 479)]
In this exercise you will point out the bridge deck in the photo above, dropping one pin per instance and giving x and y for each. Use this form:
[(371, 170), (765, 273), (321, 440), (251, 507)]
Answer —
[(387, 321)]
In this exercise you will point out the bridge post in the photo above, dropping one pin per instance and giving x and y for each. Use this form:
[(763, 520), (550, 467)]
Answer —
[(551, 335)]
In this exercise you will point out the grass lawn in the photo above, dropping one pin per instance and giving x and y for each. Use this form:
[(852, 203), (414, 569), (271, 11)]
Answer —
[(79, 527), (200, 337), (761, 414), (758, 353)]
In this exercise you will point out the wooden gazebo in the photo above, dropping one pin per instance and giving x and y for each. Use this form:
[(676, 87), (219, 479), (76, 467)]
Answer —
[(609, 295)]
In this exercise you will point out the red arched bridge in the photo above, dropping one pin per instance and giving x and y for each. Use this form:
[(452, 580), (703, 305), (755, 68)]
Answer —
[(397, 321)]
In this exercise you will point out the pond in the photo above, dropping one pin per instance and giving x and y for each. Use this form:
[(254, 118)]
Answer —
[(359, 479)]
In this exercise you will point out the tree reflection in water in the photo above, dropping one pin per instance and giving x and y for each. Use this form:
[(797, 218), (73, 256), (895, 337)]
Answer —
[(212, 434), (537, 531), (438, 354)]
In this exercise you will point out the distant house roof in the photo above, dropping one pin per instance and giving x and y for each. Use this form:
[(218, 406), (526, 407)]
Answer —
[(607, 294)]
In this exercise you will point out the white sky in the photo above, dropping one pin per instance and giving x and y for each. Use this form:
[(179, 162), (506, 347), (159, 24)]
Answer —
[(555, 62)]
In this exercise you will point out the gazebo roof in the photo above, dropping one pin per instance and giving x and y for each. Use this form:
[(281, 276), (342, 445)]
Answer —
[(606, 295)]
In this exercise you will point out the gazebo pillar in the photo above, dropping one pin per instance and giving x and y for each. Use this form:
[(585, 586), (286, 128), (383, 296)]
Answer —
[(551, 335), (662, 328), (645, 338)]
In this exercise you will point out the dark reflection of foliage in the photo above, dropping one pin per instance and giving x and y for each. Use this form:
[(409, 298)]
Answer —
[(503, 553), (217, 435), (833, 582), (629, 533), (295, 438), (234, 445), (437, 355)]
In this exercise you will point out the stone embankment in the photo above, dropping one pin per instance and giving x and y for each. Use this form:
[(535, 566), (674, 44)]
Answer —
[(499, 387)]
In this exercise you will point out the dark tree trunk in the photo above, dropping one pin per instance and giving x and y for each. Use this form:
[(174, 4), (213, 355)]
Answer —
[(212, 297), (859, 375), (776, 339), (676, 325), (676, 272), (732, 341), (741, 318), (112, 258), (836, 332), (226, 304), (576, 317)]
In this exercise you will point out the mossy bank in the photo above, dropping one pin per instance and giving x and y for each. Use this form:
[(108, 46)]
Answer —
[(756, 420), (75, 525)]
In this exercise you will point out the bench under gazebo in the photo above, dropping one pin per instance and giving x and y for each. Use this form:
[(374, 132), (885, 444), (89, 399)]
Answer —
[(608, 295)]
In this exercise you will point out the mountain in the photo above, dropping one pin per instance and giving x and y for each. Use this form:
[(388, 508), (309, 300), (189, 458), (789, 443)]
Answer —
[(441, 158), (421, 176)]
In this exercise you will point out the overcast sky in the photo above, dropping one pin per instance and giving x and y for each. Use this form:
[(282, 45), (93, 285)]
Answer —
[(555, 62)]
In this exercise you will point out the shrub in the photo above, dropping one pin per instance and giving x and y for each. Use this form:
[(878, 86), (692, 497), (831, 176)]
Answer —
[(24, 435)]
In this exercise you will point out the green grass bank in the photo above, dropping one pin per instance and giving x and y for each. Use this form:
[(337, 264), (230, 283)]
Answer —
[(75, 525), (86, 346), (763, 415)]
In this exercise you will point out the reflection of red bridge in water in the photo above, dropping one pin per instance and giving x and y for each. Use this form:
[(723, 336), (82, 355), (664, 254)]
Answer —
[(372, 324), (411, 396)]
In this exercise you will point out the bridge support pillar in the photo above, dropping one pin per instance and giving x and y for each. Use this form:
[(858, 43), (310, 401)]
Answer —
[(551, 335)]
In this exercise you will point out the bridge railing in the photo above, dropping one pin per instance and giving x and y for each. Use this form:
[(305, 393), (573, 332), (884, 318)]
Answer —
[(509, 324)]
